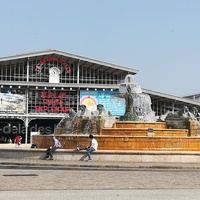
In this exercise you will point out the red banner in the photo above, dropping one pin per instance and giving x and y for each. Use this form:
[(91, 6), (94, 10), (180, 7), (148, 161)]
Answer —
[(38, 67)]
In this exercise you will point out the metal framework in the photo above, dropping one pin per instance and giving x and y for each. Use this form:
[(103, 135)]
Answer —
[(28, 75)]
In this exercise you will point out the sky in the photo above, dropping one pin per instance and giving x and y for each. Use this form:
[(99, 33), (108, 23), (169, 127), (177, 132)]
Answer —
[(160, 38)]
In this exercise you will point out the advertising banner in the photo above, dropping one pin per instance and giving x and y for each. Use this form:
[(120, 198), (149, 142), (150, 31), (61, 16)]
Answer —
[(12, 100), (110, 102)]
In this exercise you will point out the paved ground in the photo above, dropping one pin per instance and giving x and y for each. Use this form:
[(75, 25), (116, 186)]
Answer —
[(81, 164), (35, 179), (28, 175), (58, 164), (136, 194)]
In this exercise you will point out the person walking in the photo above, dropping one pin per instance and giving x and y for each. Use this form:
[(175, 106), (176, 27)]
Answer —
[(50, 151), (17, 141), (93, 147)]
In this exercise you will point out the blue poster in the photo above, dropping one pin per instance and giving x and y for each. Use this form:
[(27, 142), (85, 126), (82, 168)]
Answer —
[(110, 102)]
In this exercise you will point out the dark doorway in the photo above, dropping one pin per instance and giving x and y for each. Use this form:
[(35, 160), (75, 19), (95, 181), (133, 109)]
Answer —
[(46, 126), (9, 128)]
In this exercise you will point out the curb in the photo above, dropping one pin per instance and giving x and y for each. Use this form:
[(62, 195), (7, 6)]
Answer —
[(39, 166)]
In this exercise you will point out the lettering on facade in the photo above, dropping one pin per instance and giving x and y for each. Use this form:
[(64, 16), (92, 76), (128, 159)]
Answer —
[(39, 66), (52, 102)]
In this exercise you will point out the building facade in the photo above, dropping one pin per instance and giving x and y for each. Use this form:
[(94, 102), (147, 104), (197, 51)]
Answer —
[(38, 89), (195, 97)]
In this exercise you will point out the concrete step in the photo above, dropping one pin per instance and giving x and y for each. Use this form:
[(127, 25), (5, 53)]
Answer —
[(25, 152)]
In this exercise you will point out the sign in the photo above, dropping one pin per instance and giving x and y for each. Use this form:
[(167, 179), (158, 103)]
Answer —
[(39, 66), (52, 102), (12, 100), (111, 103)]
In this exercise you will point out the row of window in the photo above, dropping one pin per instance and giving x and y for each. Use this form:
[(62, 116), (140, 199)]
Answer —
[(18, 72), (39, 101)]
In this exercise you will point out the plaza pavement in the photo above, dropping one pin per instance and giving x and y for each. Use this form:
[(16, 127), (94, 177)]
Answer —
[(96, 165), (43, 176), (67, 164)]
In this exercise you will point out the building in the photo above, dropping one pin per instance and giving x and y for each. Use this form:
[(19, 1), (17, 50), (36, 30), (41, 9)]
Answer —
[(38, 89), (195, 97)]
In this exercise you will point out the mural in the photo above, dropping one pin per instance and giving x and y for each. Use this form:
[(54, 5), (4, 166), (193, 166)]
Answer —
[(112, 103), (12, 100)]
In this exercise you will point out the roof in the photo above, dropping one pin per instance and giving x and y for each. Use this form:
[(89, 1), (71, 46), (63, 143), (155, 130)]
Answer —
[(162, 96), (191, 95), (81, 59), (97, 64)]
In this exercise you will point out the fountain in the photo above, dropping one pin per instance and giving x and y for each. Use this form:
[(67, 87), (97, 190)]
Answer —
[(138, 104), (137, 129), (85, 121), (183, 119)]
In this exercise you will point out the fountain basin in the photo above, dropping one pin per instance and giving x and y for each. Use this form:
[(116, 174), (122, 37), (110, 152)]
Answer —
[(158, 143), (131, 138)]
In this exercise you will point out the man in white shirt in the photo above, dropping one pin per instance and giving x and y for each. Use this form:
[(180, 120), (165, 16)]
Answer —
[(93, 146)]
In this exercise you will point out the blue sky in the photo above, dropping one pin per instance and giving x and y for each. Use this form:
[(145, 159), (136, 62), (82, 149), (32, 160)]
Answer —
[(160, 38)]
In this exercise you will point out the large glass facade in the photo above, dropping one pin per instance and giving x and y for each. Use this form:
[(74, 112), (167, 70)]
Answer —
[(43, 99), (39, 90), (38, 70), (42, 87), (13, 71)]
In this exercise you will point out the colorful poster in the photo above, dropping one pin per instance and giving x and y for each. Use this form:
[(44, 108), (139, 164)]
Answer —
[(90, 99), (12, 100), (110, 102)]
